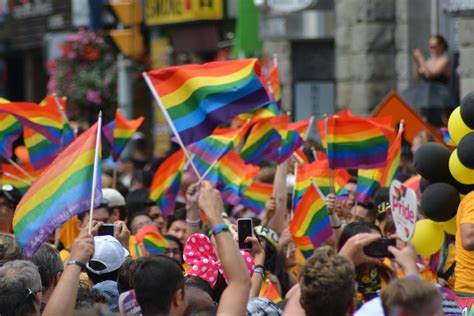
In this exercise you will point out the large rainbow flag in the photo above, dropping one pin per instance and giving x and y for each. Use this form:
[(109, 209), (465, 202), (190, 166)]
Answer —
[(60, 192), (119, 131), (255, 196), (166, 181), (311, 218), (197, 98), (356, 143)]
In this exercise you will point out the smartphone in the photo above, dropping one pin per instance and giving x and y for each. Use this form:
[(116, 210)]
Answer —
[(106, 229), (245, 229), (379, 248)]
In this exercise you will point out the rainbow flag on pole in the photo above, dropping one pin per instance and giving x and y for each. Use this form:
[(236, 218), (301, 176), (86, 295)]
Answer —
[(311, 218), (119, 131), (368, 181), (10, 130), (255, 196), (356, 143), (262, 143), (197, 98), (393, 161), (268, 111), (151, 240), (165, 185), (60, 192)]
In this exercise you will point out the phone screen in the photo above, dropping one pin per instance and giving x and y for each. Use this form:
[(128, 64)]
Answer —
[(106, 229), (244, 227)]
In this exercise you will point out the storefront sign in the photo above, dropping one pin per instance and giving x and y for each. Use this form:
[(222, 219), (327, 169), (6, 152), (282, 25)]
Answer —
[(404, 209), (158, 12)]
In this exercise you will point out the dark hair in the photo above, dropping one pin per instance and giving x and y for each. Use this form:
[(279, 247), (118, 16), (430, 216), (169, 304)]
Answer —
[(441, 41), (176, 240), (355, 228), (97, 278), (125, 274), (381, 196), (179, 215), (49, 264), (143, 176), (156, 280), (81, 215), (135, 214), (281, 273), (122, 211), (136, 201), (87, 298), (197, 282)]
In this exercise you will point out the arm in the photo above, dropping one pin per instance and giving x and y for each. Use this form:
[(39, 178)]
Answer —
[(406, 257), (467, 236), (278, 222), (193, 220), (259, 256), (433, 69), (234, 299), (63, 299), (336, 224)]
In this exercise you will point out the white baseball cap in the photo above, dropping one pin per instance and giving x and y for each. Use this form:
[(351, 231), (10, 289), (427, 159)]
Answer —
[(114, 197), (108, 255)]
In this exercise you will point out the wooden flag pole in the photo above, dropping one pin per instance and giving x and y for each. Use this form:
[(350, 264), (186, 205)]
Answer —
[(17, 166), (317, 188), (170, 122), (96, 163), (114, 178), (330, 172), (315, 154), (295, 173), (310, 125)]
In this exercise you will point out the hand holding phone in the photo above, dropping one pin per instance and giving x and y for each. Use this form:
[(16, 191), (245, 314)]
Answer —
[(379, 248), (245, 229)]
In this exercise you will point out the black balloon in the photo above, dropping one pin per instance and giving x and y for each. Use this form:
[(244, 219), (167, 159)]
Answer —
[(466, 151), (467, 110), (424, 184), (432, 162), (440, 201)]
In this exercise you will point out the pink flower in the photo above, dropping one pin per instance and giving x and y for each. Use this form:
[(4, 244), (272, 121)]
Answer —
[(93, 96)]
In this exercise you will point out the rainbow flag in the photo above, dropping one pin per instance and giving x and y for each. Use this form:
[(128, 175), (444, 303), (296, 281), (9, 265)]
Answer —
[(197, 98), (232, 173), (273, 83), (41, 150), (10, 130), (46, 120), (319, 172), (216, 145), (151, 240), (262, 143), (166, 181), (368, 181), (268, 111), (355, 143), (119, 131), (60, 192), (255, 196), (9, 174), (305, 245), (311, 218), (290, 139), (270, 292), (301, 127), (301, 157), (393, 161)]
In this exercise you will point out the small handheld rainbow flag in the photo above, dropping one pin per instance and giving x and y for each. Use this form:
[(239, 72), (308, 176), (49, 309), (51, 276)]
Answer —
[(119, 131), (270, 292), (9, 174), (311, 218), (10, 130), (393, 161), (273, 82), (197, 98), (262, 143), (368, 181), (256, 195), (268, 111), (305, 245), (60, 192), (232, 173), (166, 181), (356, 143), (151, 240)]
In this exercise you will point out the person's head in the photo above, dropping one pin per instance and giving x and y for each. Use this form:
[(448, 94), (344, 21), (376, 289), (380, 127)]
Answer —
[(141, 180), (157, 217), (20, 288), (382, 204), (361, 213), (89, 299), (269, 240), (116, 204), (159, 286), (174, 249), (437, 45), (137, 201), (411, 297), (177, 224), (421, 138), (124, 277), (108, 257), (9, 199), (9, 249), (50, 266), (138, 220), (100, 214), (198, 295), (327, 284)]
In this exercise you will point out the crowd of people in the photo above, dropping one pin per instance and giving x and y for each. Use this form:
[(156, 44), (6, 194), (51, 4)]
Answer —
[(203, 271)]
